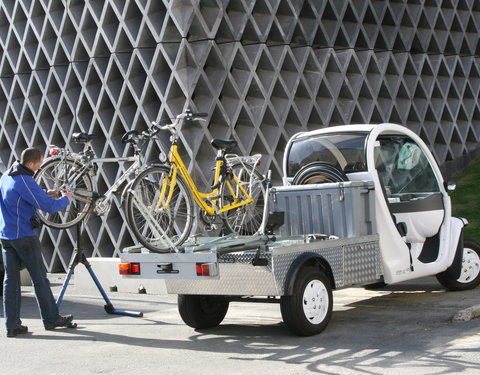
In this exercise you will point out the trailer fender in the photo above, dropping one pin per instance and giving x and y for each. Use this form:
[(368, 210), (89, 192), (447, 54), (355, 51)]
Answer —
[(303, 260)]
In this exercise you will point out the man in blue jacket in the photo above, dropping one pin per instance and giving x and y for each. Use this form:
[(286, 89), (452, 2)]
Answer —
[(20, 197)]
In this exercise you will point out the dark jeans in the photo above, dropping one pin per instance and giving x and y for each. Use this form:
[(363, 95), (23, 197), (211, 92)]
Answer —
[(26, 251)]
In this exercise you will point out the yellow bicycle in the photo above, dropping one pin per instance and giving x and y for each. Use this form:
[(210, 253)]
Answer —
[(160, 207)]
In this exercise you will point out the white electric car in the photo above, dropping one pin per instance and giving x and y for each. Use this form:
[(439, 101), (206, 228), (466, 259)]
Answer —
[(417, 234)]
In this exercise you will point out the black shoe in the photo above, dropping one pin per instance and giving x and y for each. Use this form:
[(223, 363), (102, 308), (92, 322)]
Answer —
[(12, 332), (63, 322)]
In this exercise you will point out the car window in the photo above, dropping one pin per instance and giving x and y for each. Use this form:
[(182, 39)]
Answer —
[(344, 151), (404, 170)]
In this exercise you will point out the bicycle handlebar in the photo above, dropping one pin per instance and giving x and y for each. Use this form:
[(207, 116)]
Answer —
[(133, 136), (162, 127), (187, 115), (200, 114)]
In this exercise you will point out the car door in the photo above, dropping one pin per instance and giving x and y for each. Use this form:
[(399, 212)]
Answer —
[(411, 201)]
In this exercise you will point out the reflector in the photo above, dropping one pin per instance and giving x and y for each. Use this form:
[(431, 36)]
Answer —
[(135, 268), (203, 269), (124, 268)]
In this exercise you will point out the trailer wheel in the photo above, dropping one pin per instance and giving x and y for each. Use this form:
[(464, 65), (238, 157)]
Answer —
[(308, 310), (470, 274), (201, 312)]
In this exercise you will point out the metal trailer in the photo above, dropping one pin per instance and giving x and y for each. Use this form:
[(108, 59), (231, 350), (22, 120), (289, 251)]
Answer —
[(302, 270), (381, 214)]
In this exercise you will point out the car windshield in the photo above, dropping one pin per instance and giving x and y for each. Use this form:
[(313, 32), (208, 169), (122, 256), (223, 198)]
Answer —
[(345, 151)]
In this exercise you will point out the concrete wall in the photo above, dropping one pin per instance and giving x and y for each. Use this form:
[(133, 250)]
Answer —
[(263, 70)]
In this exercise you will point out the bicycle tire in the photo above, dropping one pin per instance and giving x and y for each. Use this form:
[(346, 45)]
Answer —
[(175, 221), (53, 175), (125, 197), (247, 219)]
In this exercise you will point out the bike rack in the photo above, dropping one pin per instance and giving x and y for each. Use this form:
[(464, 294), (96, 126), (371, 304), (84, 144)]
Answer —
[(154, 226), (79, 257)]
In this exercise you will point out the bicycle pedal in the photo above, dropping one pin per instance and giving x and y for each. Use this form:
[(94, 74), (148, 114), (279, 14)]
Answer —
[(210, 227)]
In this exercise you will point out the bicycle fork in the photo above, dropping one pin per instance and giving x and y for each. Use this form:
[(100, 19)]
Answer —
[(167, 183)]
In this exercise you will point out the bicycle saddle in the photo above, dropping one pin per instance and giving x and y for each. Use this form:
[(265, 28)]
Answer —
[(225, 145), (83, 137)]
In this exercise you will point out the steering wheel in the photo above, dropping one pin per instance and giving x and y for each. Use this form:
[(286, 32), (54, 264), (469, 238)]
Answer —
[(129, 136)]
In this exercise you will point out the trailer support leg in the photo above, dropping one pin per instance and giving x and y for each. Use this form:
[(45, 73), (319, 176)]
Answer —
[(79, 257)]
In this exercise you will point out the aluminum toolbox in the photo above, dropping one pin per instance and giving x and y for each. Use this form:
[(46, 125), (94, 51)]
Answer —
[(343, 209)]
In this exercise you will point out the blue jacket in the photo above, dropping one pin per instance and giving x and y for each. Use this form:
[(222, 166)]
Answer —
[(20, 196)]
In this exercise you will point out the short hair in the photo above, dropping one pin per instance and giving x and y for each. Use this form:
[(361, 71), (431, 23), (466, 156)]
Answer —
[(30, 154)]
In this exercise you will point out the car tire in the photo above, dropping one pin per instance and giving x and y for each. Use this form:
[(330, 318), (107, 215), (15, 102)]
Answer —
[(470, 272)]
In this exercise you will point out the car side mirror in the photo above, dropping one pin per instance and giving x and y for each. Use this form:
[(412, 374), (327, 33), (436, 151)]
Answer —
[(450, 185)]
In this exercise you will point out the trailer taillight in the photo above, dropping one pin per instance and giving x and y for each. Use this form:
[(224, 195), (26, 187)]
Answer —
[(135, 268), (207, 269), (129, 268)]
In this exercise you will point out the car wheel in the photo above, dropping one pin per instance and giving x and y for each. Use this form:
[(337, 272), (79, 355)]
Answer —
[(470, 273)]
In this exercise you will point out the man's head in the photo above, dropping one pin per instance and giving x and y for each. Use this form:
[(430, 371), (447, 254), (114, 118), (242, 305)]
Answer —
[(31, 158)]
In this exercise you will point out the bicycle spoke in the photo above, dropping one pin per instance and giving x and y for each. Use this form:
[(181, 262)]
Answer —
[(54, 175), (246, 219)]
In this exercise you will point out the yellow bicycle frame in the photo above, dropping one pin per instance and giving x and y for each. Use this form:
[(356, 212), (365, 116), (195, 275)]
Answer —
[(201, 199)]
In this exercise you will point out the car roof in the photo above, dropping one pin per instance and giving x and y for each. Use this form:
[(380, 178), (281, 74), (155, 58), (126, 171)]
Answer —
[(358, 128), (355, 128)]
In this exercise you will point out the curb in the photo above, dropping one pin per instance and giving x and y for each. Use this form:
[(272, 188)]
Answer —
[(467, 314)]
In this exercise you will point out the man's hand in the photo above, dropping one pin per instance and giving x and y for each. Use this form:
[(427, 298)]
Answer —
[(53, 193), (68, 195)]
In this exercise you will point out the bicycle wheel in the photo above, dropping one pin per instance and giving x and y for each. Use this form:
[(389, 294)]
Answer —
[(246, 219), (172, 222), (57, 174), (125, 198)]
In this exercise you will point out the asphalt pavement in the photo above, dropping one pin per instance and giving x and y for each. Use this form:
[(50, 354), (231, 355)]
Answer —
[(406, 328)]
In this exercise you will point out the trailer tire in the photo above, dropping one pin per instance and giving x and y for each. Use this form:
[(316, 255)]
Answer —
[(308, 310), (470, 273), (200, 311)]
